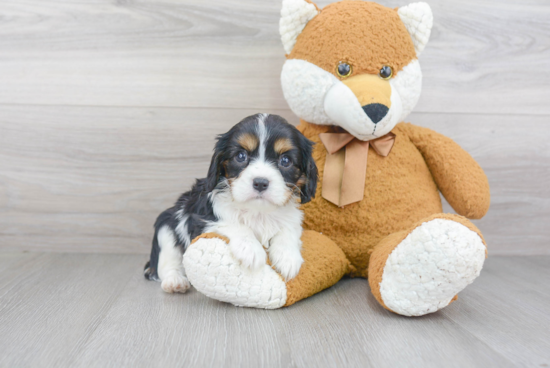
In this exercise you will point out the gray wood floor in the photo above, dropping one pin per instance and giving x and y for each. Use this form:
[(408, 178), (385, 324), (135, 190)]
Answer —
[(80, 310)]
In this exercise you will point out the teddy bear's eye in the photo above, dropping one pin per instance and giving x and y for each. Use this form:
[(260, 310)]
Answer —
[(343, 70), (386, 72)]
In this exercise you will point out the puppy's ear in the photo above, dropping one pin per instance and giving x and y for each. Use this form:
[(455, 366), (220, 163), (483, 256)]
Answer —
[(216, 169), (309, 169)]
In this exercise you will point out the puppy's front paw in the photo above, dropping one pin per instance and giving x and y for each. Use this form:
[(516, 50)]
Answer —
[(287, 261), (175, 282), (249, 252)]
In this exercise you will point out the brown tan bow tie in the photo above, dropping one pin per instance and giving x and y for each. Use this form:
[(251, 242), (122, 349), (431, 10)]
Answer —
[(346, 165)]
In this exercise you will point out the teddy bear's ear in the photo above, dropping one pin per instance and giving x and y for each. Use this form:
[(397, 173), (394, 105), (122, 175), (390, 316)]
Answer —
[(294, 16), (418, 19)]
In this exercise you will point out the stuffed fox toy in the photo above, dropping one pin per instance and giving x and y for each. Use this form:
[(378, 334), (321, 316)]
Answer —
[(352, 75)]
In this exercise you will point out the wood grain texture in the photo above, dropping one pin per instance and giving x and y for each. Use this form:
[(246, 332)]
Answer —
[(98, 311), (49, 304), (499, 296), (108, 110), (484, 56), (93, 179)]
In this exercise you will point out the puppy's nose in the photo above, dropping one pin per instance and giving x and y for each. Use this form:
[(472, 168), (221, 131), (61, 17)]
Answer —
[(260, 184), (375, 111)]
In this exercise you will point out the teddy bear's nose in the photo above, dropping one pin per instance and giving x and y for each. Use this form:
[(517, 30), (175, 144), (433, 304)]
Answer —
[(375, 111)]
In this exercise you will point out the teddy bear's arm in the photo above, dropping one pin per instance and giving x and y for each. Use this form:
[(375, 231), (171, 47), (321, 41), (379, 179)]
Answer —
[(457, 175)]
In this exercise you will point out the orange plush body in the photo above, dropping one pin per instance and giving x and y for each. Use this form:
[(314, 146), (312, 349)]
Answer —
[(400, 191), (352, 69)]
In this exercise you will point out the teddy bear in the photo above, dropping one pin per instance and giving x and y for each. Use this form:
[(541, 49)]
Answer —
[(352, 76)]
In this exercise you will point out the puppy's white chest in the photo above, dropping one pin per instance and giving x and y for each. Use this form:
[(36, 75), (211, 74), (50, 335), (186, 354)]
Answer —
[(264, 226)]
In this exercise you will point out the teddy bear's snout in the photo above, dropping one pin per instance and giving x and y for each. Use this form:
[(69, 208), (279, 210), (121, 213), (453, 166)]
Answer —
[(373, 94), (376, 111)]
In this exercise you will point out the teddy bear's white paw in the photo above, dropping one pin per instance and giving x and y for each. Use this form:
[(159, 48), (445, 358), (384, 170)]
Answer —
[(249, 252), (214, 271), (175, 282), (430, 266)]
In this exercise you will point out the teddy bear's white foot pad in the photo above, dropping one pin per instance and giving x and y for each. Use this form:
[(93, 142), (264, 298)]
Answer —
[(214, 271), (430, 266)]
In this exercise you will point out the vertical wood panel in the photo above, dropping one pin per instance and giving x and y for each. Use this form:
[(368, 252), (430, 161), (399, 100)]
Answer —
[(484, 56), (92, 179), (108, 109)]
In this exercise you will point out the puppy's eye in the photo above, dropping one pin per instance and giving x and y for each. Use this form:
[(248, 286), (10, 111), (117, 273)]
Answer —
[(242, 156), (343, 70), (386, 72), (285, 161)]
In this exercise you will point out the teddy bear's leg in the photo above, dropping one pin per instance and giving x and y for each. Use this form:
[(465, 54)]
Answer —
[(421, 270), (212, 270)]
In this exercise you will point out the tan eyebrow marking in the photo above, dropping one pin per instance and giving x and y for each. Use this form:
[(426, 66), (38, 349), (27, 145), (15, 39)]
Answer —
[(248, 141), (283, 145)]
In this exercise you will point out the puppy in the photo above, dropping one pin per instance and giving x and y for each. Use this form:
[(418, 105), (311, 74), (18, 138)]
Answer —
[(259, 170)]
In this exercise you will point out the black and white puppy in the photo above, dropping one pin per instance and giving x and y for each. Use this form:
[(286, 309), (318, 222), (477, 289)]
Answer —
[(259, 170)]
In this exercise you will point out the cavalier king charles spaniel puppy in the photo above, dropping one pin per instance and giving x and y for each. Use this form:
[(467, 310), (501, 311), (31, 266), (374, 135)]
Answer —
[(261, 170)]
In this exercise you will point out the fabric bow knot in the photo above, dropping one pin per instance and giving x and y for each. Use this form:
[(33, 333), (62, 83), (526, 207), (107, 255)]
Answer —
[(346, 165)]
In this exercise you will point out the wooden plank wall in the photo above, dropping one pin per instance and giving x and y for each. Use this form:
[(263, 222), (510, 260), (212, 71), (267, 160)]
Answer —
[(108, 109)]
